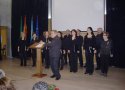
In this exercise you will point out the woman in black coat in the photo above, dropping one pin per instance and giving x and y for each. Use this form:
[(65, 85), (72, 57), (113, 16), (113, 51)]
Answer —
[(105, 53), (73, 52), (89, 46)]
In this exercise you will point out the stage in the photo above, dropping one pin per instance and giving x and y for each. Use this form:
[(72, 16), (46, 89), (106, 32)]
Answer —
[(23, 80)]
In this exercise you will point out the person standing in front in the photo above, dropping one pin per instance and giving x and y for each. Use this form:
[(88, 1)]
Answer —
[(89, 46), (105, 53), (73, 52), (54, 54)]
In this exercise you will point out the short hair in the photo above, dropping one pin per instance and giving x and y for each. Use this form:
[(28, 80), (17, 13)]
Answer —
[(107, 34)]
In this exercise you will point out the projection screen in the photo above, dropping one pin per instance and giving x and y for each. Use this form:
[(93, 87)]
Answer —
[(77, 14)]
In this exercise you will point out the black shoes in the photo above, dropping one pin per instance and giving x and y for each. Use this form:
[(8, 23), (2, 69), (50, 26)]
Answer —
[(57, 78), (52, 76), (86, 73), (61, 68), (33, 65), (97, 69), (90, 73), (104, 74), (47, 67)]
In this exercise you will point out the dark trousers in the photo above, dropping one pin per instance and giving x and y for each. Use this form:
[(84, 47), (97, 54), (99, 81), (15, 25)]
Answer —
[(54, 62), (89, 62), (33, 54), (23, 58), (73, 62), (104, 63), (65, 57), (46, 58), (79, 56), (61, 63), (98, 62)]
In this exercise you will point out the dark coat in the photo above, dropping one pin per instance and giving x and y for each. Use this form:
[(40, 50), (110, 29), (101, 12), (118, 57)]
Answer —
[(106, 47), (54, 47)]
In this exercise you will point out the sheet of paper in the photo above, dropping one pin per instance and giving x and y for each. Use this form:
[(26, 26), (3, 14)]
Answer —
[(40, 45)]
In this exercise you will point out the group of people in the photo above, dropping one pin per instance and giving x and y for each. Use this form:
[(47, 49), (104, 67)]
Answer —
[(60, 49)]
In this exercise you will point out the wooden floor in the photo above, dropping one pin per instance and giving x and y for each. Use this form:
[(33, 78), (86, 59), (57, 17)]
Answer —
[(23, 80)]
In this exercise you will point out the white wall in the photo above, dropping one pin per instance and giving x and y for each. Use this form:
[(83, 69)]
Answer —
[(77, 14), (5, 20)]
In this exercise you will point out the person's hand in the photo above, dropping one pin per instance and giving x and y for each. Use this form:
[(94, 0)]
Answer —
[(111, 55), (18, 49), (95, 51), (41, 42), (99, 55), (78, 51), (68, 51), (64, 51), (83, 51)]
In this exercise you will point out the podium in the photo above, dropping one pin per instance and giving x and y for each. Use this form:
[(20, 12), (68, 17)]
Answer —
[(39, 68)]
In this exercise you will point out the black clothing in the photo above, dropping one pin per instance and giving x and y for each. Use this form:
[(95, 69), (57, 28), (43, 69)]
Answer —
[(105, 48), (79, 42), (104, 63), (54, 54), (54, 47), (66, 46), (33, 52), (61, 63), (105, 51), (99, 39), (89, 62), (89, 44), (22, 51), (73, 55), (45, 53)]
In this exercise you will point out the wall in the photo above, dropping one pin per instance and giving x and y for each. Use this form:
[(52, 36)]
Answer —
[(5, 20)]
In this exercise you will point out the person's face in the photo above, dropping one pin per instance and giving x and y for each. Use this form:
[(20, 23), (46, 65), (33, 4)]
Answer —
[(53, 34), (89, 31), (47, 34), (73, 33), (34, 35), (99, 31), (22, 35), (68, 32), (105, 36), (59, 35), (78, 32)]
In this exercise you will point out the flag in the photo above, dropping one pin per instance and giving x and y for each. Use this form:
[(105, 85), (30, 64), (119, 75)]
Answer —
[(21, 26), (37, 28), (25, 27), (31, 28)]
